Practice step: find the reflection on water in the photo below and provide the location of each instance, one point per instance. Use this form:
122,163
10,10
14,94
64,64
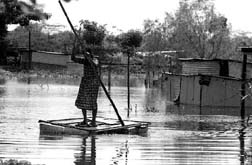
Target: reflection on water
2,88
88,152
243,154
177,135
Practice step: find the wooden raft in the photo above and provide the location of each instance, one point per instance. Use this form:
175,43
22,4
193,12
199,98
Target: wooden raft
104,126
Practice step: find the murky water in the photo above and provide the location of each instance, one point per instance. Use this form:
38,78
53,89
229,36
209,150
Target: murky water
177,135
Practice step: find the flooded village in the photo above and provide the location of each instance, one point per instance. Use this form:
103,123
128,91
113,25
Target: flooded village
176,92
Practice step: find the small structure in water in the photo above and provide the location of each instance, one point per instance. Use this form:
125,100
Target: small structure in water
104,126
206,82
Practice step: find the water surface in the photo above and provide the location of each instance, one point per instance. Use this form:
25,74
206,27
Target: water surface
177,135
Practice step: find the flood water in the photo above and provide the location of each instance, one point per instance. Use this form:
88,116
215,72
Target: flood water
177,135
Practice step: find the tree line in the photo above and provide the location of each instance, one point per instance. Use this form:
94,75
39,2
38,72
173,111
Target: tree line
195,28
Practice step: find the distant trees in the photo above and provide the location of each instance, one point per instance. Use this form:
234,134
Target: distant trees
99,41
155,36
16,12
238,39
42,39
195,28
198,29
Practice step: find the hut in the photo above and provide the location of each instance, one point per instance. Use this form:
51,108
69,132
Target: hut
206,83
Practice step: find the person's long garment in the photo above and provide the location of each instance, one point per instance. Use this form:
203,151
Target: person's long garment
89,87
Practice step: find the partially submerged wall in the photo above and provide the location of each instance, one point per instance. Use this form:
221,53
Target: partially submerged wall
203,90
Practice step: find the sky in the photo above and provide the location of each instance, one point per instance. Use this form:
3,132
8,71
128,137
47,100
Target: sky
130,14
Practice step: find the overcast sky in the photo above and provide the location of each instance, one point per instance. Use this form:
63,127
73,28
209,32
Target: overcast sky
130,14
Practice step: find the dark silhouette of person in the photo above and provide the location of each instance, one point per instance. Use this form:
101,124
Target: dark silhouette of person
89,87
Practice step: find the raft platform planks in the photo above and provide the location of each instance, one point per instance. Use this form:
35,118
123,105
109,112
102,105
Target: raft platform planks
104,126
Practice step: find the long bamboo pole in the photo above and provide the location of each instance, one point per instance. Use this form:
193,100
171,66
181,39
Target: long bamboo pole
91,62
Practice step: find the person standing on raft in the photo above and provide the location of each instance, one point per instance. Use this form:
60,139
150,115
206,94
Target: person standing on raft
92,36
88,90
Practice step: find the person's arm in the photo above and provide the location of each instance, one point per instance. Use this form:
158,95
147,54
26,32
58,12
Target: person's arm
79,60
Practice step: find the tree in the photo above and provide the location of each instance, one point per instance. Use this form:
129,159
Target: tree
198,29
130,40
238,40
154,38
19,36
62,41
16,12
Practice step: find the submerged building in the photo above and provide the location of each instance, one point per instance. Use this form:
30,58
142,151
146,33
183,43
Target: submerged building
207,83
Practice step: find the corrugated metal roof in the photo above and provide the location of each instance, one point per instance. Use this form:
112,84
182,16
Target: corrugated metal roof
217,59
200,59
201,67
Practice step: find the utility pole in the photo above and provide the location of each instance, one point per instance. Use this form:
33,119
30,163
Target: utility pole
245,51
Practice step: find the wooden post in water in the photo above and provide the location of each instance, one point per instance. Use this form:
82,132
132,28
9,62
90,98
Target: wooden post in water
29,47
128,83
245,51
243,85
109,78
